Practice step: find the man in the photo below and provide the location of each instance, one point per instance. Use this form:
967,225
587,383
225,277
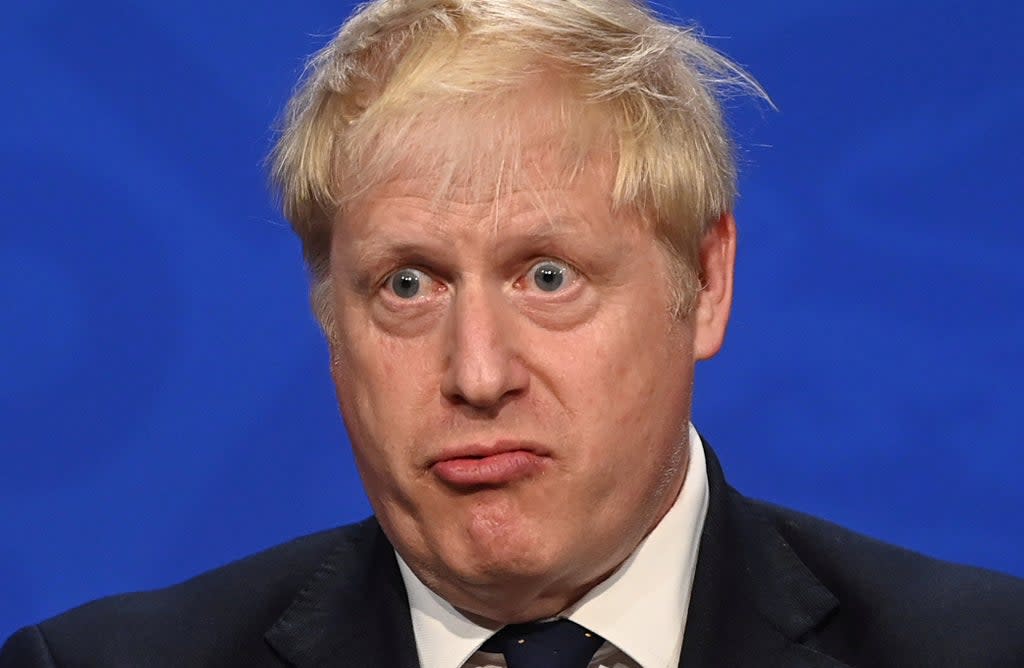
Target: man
517,216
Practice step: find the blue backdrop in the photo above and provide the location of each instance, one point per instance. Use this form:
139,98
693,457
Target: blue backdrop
164,395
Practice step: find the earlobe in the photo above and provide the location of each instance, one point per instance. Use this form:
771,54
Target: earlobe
714,303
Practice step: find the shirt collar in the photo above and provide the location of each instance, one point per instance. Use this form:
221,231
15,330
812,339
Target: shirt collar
641,608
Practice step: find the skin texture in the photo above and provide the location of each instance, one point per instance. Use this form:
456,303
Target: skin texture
593,379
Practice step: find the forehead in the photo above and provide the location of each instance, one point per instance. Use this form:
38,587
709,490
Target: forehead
405,218
536,176
538,193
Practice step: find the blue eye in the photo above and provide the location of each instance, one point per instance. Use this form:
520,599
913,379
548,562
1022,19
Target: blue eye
549,275
406,283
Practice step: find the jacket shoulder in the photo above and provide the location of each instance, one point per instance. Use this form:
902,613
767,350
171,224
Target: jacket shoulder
908,607
227,609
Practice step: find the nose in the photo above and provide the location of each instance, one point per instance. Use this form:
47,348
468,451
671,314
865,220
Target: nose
484,368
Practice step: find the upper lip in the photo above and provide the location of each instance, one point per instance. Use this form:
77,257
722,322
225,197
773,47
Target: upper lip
481,449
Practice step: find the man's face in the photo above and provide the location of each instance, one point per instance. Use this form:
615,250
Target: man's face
516,389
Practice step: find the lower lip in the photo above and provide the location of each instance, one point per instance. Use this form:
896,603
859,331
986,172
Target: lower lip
499,469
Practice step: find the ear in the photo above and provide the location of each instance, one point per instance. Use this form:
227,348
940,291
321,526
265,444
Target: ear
714,301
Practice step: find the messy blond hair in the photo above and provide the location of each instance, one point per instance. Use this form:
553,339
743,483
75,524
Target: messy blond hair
398,66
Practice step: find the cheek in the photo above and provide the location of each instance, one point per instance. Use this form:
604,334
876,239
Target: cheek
373,360
620,376
384,387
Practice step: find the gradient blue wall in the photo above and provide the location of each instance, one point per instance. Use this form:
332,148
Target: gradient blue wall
164,398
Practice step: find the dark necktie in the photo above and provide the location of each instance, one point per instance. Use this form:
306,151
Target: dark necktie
557,644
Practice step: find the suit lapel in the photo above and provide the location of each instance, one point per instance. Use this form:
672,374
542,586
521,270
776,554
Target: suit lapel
352,612
753,599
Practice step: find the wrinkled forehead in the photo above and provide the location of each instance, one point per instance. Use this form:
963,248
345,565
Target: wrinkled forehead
529,145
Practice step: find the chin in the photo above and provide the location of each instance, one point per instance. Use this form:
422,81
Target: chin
506,564
517,588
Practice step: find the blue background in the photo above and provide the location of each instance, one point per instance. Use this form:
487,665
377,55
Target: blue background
164,394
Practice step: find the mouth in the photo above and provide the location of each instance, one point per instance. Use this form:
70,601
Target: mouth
479,465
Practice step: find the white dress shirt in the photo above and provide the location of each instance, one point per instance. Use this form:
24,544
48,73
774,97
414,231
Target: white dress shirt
640,610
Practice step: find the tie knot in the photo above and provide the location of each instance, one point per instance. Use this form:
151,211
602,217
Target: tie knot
557,644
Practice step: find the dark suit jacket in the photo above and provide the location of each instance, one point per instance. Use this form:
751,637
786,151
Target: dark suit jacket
773,588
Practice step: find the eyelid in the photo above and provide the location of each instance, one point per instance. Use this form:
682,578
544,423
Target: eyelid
552,260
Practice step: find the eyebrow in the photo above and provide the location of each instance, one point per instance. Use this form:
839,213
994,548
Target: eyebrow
375,253
371,255
377,250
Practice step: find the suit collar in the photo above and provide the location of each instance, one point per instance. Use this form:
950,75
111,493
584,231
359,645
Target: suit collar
753,599
353,611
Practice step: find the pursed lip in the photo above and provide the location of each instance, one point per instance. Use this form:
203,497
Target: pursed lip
482,450
489,464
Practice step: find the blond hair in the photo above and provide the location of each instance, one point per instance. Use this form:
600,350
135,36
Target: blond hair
400,65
